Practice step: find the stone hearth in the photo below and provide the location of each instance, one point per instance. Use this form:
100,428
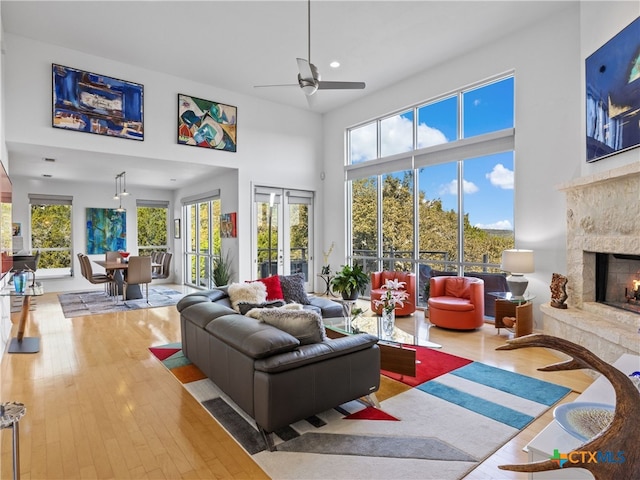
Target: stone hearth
603,215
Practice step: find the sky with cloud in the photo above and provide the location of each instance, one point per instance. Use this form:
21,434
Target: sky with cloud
488,181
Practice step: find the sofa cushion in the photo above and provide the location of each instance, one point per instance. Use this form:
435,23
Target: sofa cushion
274,290
246,306
457,287
293,289
305,325
251,337
253,292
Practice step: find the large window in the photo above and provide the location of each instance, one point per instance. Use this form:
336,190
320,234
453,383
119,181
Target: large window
51,233
202,238
152,226
432,187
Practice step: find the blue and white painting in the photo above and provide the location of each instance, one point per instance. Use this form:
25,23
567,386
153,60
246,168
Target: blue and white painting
88,102
613,94
106,230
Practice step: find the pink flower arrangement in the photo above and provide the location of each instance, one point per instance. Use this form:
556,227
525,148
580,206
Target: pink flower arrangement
394,295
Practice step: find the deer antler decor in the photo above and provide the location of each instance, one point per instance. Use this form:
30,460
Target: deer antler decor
621,436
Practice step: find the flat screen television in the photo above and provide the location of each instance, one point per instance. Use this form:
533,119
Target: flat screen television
6,224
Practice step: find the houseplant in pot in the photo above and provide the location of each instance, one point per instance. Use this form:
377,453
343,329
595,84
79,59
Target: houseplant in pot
350,282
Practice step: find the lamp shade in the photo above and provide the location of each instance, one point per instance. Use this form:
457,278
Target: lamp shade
517,261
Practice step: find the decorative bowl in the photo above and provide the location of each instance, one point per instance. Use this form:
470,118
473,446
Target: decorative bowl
125,255
584,420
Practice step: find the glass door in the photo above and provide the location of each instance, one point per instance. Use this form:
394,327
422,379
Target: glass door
283,232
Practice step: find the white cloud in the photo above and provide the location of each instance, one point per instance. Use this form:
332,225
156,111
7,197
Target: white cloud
363,143
397,136
476,102
451,188
501,177
499,225
428,136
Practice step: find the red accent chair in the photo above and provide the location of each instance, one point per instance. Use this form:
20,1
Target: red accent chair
378,279
456,302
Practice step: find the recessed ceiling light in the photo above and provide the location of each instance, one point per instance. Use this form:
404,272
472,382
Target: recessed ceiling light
334,64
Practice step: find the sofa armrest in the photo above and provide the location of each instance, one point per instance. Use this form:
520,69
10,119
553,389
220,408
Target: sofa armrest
212,295
316,352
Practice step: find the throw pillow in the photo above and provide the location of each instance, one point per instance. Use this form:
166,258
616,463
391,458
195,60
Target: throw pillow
293,288
244,307
254,292
305,325
457,287
274,290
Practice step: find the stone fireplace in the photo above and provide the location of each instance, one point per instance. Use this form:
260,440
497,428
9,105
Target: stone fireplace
603,220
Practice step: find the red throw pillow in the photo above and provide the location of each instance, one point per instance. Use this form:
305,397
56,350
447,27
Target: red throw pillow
274,290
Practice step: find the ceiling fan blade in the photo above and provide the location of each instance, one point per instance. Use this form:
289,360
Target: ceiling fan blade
305,69
278,85
322,85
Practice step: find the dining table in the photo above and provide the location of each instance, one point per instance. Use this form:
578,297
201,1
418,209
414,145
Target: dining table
117,268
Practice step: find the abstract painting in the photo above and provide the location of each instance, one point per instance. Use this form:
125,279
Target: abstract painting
106,230
613,95
228,225
207,124
88,102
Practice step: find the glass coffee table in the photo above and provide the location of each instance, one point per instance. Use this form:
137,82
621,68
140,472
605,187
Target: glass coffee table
396,354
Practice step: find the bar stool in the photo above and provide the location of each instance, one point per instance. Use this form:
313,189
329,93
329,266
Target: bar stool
10,415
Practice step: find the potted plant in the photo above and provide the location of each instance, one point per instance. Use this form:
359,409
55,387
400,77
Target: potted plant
221,271
350,282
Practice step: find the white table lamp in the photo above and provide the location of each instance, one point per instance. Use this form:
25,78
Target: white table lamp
517,262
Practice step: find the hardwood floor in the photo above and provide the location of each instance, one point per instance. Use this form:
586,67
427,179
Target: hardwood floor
100,406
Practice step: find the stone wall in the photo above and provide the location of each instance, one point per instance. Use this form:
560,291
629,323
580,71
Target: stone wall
603,215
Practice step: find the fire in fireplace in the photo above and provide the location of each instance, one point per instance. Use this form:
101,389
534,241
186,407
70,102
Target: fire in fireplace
618,281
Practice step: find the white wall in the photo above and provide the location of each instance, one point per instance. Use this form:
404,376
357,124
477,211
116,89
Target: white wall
546,59
277,145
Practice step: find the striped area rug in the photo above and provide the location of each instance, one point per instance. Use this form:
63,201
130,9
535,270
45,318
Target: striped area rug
438,429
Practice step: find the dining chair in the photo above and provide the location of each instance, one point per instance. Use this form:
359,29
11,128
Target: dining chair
96,278
165,266
138,272
112,256
157,258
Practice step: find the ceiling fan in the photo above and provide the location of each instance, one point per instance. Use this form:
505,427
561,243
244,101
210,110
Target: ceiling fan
309,76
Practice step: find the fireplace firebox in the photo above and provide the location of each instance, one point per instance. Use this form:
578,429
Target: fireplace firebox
618,281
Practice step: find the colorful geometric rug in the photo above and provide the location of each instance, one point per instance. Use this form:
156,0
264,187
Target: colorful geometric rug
96,302
441,429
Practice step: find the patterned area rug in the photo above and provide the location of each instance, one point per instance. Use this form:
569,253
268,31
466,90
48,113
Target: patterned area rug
96,302
440,429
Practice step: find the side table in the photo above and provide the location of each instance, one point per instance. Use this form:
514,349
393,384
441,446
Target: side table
10,415
22,344
327,277
519,307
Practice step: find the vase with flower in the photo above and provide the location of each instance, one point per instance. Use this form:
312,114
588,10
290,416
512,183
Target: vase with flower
395,295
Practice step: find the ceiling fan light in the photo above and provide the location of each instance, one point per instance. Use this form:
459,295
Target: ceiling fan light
308,87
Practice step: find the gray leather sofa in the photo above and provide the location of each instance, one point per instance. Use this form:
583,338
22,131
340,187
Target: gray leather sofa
266,371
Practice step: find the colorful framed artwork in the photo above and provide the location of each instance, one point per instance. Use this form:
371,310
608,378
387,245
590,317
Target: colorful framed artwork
106,230
93,103
228,225
207,124
612,76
